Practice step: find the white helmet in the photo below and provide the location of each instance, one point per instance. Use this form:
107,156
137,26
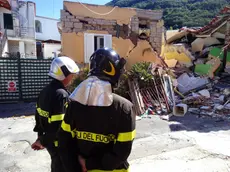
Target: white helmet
61,67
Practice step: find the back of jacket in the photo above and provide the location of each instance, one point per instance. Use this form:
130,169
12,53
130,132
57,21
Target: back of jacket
50,111
102,135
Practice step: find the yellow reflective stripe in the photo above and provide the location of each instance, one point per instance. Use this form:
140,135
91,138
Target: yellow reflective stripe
43,113
120,170
67,128
53,118
126,137
56,143
94,137
66,104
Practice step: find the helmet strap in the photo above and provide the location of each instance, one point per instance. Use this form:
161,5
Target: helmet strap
65,71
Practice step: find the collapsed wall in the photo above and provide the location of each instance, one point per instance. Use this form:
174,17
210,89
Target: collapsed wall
143,24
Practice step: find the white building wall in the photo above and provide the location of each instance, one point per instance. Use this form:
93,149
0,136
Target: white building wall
23,14
31,19
5,49
13,46
29,48
49,29
23,34
50,48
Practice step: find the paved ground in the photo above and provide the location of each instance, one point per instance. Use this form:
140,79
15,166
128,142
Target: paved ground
188,144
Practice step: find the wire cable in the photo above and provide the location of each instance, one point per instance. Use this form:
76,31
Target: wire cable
101,14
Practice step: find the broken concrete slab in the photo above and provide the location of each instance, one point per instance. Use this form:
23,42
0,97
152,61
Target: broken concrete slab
171,63
197,45
186,83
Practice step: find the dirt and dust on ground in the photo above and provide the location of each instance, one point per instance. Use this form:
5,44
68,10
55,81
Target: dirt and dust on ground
188,144
192,85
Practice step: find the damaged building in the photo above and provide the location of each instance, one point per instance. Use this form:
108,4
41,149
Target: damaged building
202,48
199,59
135,34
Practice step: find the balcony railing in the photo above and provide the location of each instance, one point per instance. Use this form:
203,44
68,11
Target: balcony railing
22,32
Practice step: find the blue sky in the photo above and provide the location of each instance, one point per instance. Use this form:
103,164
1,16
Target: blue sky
51,8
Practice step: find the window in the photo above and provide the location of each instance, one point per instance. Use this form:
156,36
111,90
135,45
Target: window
92,42
8,21
98,42
38,26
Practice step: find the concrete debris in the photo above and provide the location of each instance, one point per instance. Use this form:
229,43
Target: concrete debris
180,109
197,62
200,62
205,93
186,83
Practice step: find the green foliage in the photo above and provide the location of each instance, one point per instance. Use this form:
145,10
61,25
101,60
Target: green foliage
123,86
179,13
141,72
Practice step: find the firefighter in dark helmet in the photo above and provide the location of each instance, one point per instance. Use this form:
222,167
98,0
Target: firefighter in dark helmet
99,126
51,106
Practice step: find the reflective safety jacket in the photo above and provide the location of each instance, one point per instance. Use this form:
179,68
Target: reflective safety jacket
50,109
103,136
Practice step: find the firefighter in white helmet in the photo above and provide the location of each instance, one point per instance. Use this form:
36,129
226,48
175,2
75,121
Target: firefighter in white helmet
51,106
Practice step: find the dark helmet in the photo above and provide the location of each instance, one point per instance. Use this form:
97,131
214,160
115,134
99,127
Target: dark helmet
106,64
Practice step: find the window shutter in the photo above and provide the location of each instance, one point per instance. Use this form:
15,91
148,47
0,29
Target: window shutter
88,46
108,41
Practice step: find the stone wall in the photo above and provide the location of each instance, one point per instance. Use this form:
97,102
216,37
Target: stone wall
76,24
72,23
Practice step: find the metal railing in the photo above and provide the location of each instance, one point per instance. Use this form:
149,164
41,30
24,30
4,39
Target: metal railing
21,32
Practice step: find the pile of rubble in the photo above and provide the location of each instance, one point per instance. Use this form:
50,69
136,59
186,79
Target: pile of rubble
200,60
197,68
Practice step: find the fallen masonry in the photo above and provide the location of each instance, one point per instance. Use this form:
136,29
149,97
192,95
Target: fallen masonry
194,76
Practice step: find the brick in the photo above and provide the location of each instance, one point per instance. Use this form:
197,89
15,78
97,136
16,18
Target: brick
96,20
77,30
78,25
74,20
63,17
151,39
152,27
159,30
65,20
100,22
64,13
135,22
79,17
69,24
106,22
157,39
66,30
71,17
89,19
153,30
153,23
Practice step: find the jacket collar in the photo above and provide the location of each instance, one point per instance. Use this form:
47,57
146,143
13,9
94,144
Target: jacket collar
58,83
